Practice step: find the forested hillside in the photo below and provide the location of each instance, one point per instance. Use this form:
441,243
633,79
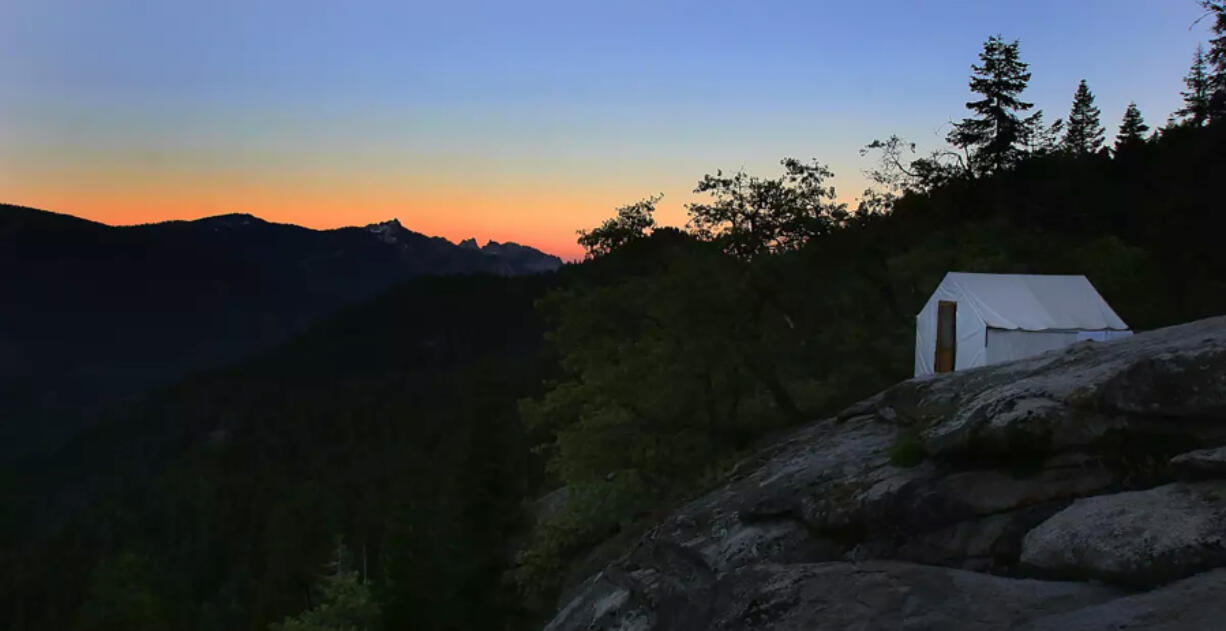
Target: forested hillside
399,447
214,504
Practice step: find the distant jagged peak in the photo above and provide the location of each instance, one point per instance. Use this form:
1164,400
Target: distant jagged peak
513,255
386,230
385,226
526,257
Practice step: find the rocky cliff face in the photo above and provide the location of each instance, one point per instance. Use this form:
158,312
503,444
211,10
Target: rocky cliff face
1080,489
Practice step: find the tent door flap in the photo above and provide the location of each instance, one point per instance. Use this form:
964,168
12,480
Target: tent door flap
947,312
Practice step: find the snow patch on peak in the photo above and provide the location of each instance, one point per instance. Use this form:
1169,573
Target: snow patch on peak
384,226
386,230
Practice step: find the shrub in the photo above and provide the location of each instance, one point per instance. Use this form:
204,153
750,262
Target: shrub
907,451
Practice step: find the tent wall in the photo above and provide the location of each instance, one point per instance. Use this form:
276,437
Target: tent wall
970,351
1002,317
1004,345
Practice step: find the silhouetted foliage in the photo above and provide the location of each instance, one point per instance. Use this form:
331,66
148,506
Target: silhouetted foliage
894,173
1217,59
1195,110
1043,139
633,221
748,215
994,138
1084,133
1132,130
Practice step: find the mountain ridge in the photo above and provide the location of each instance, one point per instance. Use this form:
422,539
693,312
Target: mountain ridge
8,219
97,311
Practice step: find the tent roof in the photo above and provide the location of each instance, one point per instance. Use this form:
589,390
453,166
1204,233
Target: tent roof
1035,302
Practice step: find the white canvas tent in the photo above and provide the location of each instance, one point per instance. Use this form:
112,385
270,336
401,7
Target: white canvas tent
981,319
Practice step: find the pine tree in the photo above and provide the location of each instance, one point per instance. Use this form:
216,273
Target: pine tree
1217,60
995,138
1041,138
1195,109
345,601
1084,133
1132,129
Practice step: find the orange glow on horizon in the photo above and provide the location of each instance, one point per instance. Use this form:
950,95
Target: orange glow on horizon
454,216
549,224
542,210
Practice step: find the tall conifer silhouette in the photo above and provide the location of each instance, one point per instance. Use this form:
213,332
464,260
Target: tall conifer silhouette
995,136
1132,129
1084,133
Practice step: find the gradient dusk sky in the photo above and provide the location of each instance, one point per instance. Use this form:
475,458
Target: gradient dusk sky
514,121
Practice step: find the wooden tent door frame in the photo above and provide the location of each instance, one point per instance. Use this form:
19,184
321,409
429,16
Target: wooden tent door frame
947,336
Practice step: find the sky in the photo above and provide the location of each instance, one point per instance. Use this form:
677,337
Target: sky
515,121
